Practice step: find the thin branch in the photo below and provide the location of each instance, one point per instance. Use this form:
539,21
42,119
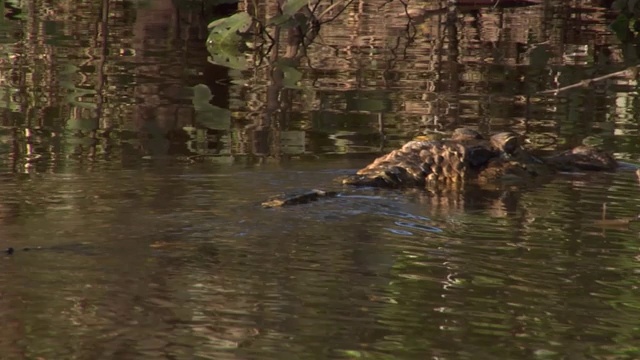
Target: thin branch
315,6
338,14
585,83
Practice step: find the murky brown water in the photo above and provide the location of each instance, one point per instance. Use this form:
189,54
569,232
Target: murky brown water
135,252
178,262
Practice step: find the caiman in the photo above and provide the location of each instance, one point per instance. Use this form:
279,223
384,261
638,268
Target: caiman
423,163
466,158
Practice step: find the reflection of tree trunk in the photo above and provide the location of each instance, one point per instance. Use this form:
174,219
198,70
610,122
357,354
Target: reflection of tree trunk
102,36
278,99
275,85
153,30
453,83
163,29
15,150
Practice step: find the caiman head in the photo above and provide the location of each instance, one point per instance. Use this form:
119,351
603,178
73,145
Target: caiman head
522,165
582,158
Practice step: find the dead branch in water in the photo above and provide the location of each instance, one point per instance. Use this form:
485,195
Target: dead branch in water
632,71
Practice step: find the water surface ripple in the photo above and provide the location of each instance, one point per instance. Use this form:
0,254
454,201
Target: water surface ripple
182,261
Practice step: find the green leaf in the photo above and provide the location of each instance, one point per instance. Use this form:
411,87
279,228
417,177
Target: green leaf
539,56
227,56
226,30
293,6
207,115
618,5
292,142
287,21
369,101
279,20
291,77
620,26
239,22
224,40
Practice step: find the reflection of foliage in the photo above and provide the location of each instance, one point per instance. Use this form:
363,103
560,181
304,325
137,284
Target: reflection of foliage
230,36
626,24
274,44
210,116
225,31
224,40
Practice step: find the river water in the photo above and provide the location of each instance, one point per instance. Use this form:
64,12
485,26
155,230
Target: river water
174,261
146,243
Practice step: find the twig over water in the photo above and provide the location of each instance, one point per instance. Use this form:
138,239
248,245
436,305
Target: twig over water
631,71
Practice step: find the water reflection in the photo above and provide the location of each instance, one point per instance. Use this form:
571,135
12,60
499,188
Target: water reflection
138,169
143,86
182,261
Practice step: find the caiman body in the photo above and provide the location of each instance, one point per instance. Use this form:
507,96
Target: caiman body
422,163
468,157
464,159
